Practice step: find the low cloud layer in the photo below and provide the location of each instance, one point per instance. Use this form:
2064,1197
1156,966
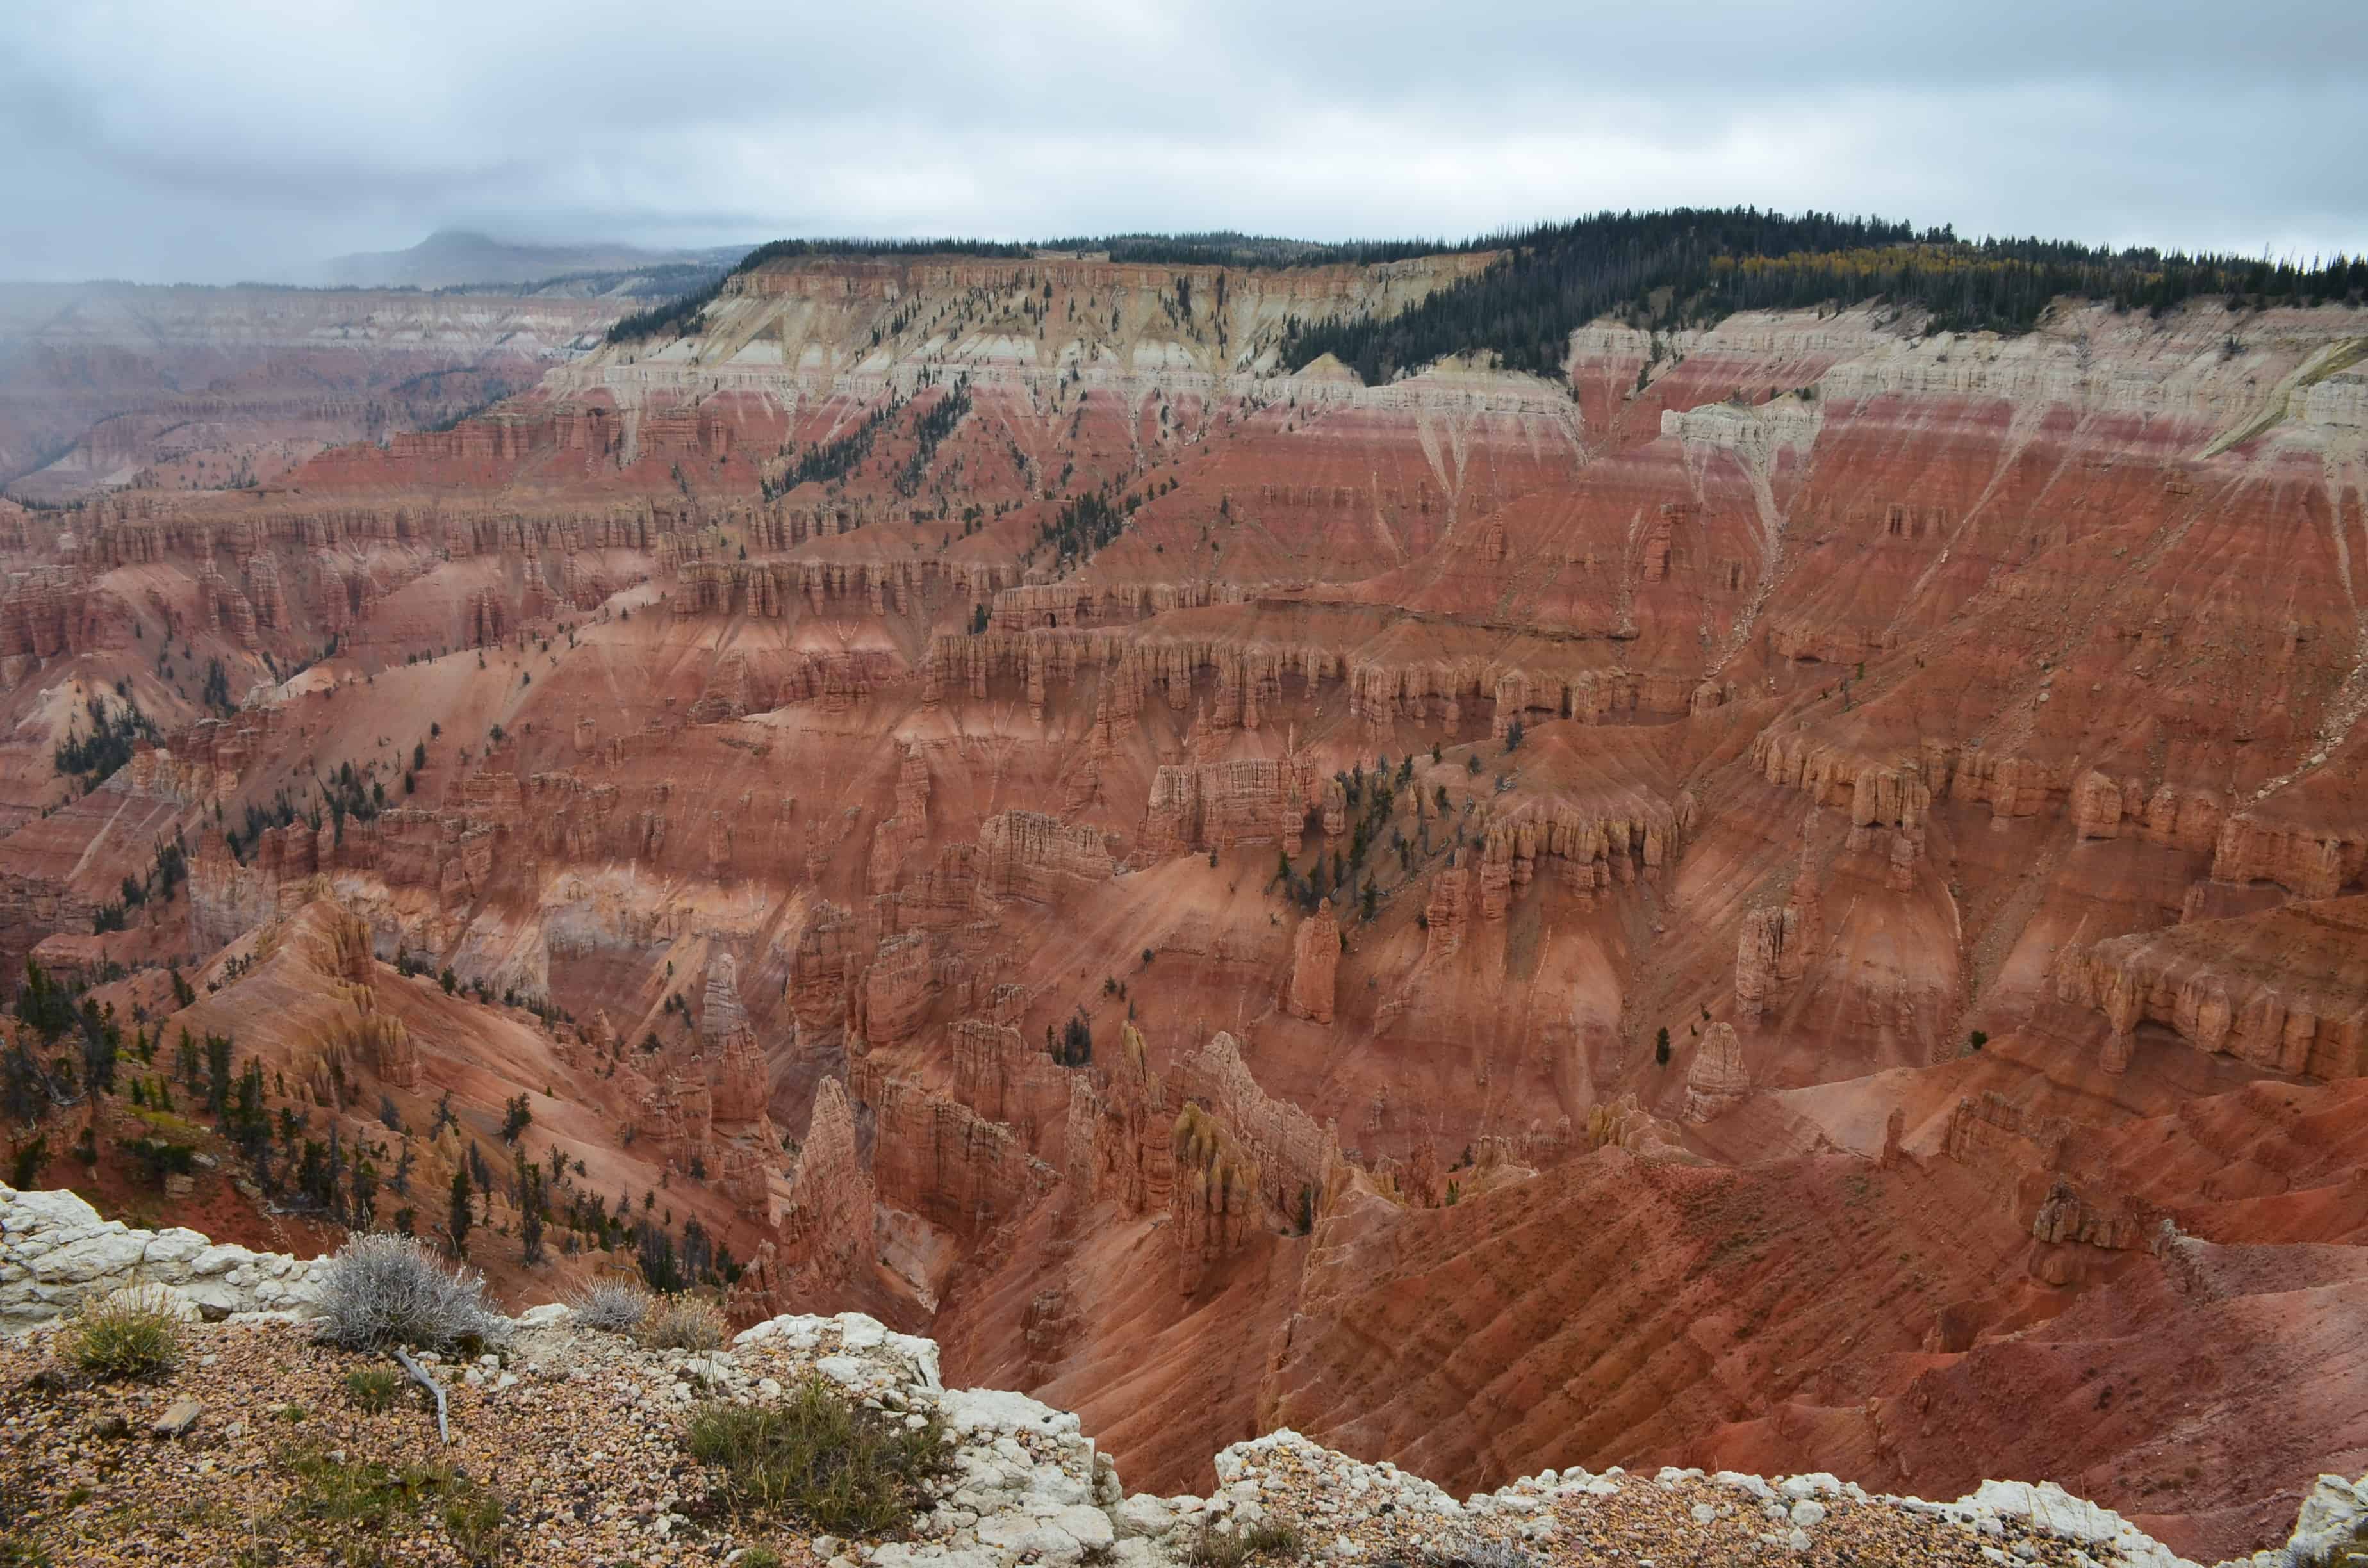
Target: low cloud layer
251,139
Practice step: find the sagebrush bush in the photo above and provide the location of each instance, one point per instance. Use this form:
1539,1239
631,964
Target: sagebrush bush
134,1332
611,1305
385,1289
682,1323
820,1454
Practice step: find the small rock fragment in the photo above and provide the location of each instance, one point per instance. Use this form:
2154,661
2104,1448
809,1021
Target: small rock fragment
179,1417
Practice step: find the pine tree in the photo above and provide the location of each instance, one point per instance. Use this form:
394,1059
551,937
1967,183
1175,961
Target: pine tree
217,1074
460,1219
530,1184
362,1186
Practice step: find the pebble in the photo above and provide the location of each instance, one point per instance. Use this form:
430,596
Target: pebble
179,1417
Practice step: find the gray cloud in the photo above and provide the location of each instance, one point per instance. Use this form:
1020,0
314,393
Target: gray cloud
250,138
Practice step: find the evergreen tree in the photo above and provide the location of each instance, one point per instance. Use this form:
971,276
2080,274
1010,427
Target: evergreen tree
531,1207
459,1218
361,1189
43,1004
1691,268
217,1074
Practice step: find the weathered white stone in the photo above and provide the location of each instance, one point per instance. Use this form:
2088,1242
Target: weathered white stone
2049,1507
845,1370
1090,1527
56,1253
1143,1516
2331,1512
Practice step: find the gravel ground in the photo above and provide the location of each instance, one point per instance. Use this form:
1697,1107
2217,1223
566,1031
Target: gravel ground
578,1437
1677,1519
586,1457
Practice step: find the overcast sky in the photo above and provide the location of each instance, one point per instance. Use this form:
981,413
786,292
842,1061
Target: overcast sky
159,139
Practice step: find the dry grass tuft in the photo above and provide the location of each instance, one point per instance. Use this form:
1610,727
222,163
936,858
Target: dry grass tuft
610,1306
682,1323
131,1332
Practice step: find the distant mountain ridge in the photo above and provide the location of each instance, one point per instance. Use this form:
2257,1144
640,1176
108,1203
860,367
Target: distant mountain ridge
451,256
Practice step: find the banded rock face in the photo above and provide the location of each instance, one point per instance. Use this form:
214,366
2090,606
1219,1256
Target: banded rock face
1855,689
2283,990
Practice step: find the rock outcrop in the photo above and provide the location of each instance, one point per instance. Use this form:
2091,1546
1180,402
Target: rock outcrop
1719,1078
2281,990
56,1254
1314,966
827,1225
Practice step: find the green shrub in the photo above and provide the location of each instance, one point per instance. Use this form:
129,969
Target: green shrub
372,1389
843,1468
348,1506
476,1519
330,1489
159,1157
131,1332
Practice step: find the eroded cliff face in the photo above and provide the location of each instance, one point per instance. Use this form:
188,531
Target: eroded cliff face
109,384
1495,921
